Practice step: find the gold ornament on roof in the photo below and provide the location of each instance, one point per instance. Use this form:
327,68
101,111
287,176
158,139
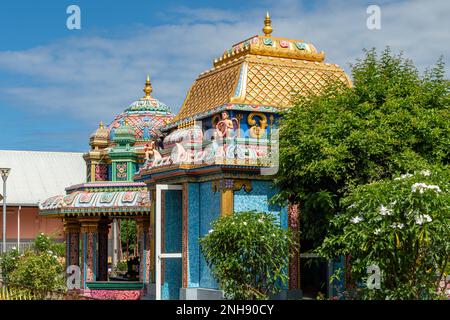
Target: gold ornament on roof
267,25
101,126
148,88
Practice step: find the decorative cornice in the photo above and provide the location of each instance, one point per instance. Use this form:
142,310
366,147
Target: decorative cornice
231,184
89,225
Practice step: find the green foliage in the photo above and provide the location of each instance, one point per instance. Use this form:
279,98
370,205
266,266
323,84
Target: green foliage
38,270
121,266
128,231
401,225
391,121
248,253
44,243
8,262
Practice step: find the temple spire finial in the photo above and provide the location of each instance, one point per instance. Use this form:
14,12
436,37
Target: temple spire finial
267,25
101,126
148,88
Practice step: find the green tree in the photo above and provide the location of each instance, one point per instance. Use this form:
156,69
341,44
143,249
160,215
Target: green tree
391,121
38,270
401,225
128,240
248,253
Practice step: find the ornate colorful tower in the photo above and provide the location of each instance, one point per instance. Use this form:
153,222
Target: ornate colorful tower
117,151
220,152
89,209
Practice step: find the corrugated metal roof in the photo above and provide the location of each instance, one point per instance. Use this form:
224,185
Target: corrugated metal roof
37,175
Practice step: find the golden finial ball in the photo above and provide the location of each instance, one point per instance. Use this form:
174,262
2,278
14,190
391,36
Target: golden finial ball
267,25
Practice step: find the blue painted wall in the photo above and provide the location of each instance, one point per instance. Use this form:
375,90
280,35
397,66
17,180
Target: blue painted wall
209,212
204,208
172,244
193,235
258,200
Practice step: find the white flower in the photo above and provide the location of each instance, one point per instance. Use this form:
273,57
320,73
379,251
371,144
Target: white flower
211,231
404,176
14,248
356,219
423,186
423,218
260,221
397,225
377,231
385,211
273,234
435,188
425,173
245,223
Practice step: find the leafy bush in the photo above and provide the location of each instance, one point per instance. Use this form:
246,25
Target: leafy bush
44,243
39,271
401,225
8,262
248,253
121,266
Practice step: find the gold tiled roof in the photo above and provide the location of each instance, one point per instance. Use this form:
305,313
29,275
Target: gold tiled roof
262,70
276,82
209,91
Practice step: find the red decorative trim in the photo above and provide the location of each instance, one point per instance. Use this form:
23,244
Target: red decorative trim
185,235
114,294
294,261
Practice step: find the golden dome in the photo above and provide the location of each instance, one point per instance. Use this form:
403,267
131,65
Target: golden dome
100,136
260,71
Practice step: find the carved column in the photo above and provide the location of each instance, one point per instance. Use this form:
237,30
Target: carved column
103,229
143,228
294,260
72,235
89,239
227,188
227,202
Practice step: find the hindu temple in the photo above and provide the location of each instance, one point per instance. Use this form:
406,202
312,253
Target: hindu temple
176,174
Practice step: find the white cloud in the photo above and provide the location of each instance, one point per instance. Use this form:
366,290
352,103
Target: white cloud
95,77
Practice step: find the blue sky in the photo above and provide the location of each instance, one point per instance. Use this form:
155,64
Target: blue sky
57,84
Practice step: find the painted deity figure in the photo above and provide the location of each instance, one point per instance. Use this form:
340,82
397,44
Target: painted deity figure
149,150
226,126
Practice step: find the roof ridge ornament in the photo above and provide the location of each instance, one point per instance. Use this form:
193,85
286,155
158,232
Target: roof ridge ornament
148,88
267,25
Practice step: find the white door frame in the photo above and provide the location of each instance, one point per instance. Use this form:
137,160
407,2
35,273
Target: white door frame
158,227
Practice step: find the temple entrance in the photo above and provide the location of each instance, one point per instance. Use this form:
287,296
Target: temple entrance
168,249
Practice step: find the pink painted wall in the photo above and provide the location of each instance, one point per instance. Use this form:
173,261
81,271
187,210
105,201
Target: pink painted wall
31,224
